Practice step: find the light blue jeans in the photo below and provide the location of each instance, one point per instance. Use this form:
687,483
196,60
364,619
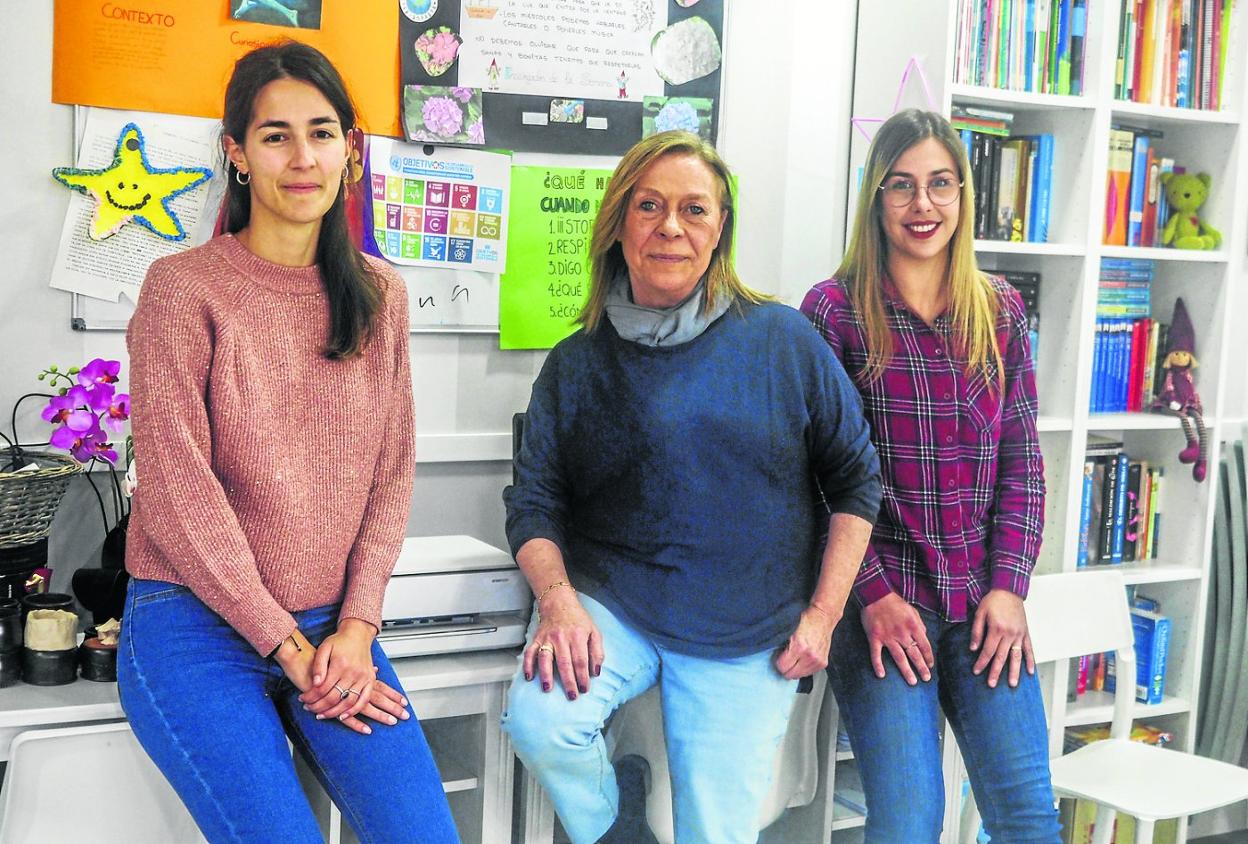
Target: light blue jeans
214,716
895,732
723,721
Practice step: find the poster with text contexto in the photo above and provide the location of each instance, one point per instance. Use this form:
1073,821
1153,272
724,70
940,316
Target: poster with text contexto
176,56
547,278
445,209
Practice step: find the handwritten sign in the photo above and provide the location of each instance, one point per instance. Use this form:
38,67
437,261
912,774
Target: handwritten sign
547,278
597,49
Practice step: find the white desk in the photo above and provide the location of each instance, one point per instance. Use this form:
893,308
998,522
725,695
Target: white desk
458,698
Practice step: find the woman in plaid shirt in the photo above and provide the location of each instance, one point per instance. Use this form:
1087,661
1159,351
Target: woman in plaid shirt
940,354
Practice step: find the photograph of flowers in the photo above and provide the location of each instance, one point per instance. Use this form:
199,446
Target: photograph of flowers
443,115
661,114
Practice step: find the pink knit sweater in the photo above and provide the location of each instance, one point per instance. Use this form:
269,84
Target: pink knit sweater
270,478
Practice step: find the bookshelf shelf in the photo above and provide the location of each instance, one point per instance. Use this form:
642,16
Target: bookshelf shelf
1213,284
844,817
1012,247
1018,100
1126,109
1098,708
1152,253
1132,422
1152,571
1054,424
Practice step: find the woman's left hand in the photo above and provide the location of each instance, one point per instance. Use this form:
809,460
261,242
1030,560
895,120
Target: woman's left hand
342,671
1000,626
807,650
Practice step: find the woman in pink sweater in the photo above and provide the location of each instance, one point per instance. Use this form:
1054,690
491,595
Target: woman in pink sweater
273,429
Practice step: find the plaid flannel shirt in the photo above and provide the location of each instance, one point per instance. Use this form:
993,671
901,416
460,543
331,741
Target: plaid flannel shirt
963,505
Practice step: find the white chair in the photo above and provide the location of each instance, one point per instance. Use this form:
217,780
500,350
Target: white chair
92,783
637,728
1079,613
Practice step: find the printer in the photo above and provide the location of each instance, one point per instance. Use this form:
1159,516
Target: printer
450,594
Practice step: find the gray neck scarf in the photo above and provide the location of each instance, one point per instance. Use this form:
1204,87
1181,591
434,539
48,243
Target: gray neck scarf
662,327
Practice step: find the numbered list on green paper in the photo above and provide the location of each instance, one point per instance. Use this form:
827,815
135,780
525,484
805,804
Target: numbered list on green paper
547,280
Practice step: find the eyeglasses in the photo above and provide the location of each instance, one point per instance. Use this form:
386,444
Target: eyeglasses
940,191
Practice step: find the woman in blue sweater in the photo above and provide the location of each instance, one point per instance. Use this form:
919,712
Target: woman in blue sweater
667,509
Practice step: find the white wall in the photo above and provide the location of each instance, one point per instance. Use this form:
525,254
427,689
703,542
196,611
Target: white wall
785,129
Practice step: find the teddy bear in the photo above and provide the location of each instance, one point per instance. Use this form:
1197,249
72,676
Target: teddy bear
1178,391
1185,229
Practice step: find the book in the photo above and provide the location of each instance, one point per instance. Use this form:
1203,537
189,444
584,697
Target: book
1159,473
1152,191
1038,212
1139,184
1085,513
1006,192
1078,44
1118,186
1131,535
1152,644
1120,508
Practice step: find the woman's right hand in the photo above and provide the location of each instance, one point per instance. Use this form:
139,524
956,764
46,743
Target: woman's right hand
385,705
892,623
566,636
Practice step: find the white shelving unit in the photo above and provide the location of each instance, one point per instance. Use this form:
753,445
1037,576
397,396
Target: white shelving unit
1212,142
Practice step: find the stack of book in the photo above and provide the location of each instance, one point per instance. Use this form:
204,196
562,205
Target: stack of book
1135,199
1028,286
1120,506
1129,345
1173,52
1022,45
1012,176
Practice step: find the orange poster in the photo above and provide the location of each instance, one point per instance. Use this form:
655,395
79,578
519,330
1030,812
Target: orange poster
175,56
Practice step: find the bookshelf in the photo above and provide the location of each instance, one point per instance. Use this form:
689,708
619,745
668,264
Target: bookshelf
1069,265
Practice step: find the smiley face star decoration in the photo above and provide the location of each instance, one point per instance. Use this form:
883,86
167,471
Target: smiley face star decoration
132,189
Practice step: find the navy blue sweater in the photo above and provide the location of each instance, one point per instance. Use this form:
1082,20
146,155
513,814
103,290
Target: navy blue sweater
680,482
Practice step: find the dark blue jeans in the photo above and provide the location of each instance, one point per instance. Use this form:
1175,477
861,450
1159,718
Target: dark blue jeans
895,732
215,718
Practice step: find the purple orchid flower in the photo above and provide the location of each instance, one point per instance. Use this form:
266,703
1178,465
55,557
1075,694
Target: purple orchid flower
99,371
60,407
84,445
118,412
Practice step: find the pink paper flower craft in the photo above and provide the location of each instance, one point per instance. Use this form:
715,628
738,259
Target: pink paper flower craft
437,50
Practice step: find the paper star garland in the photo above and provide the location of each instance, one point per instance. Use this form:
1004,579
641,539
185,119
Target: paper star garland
911,66
131,189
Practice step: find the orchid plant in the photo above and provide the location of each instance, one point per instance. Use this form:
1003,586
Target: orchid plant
85,404
84,407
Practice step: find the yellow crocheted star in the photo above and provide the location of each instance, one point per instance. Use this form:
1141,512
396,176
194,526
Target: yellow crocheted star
131,189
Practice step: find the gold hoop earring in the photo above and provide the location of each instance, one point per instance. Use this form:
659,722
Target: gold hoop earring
238,177
346,172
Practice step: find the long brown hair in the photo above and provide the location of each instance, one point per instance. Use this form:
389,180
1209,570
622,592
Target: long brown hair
353,290
973,303
605,253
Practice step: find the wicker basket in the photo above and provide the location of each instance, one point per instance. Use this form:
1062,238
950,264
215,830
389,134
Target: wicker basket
28,500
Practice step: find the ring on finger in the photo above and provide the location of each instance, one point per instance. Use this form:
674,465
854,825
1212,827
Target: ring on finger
911,644
1016,647
350,692
546,647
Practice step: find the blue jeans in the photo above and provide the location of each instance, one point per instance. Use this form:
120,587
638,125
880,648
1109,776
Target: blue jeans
723,722
215,718
895,732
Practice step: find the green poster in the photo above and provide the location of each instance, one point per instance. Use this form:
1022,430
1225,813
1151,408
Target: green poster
547,280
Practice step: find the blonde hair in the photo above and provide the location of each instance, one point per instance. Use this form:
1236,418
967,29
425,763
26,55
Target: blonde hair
607,257
973,303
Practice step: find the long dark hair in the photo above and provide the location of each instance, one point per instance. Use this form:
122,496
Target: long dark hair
354,291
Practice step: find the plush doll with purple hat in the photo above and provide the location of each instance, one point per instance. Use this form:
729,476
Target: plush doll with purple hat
1178,391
